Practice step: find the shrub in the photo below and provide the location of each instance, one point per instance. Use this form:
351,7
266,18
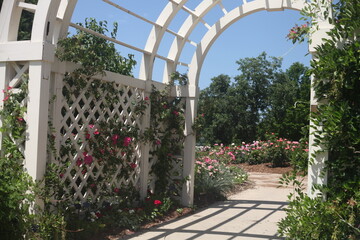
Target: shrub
215,178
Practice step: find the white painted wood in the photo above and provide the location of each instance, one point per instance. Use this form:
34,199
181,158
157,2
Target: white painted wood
222,24
41,20
156,35
9,19
66,10
185,30
187,196
37,120
144,164
28,6
26,51
3,85
316,171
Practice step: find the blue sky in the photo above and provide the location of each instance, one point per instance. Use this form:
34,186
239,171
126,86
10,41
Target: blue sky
248,37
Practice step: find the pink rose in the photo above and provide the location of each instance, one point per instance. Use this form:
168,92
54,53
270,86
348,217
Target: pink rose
114,138
88,159
126,141
78,162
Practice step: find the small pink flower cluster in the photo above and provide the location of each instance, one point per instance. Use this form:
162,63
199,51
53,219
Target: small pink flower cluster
206,164
298,32
6,93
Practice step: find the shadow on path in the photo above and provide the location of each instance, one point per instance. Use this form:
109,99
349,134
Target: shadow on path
231,219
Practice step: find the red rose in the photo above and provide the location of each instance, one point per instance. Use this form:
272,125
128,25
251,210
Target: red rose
157,202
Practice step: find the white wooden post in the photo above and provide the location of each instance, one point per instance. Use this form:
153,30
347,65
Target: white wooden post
316,171
37,119
187,196
145,147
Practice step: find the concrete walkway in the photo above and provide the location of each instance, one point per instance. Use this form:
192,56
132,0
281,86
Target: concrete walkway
249,215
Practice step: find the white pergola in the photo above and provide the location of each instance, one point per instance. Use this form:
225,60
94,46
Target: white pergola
52,19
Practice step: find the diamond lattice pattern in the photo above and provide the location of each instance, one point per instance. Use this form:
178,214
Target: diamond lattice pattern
81,110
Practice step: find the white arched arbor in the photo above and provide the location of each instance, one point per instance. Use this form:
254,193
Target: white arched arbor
51,22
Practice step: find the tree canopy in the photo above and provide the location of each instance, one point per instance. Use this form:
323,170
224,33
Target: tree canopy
262,98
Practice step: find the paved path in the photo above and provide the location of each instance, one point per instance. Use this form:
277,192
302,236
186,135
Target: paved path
249,215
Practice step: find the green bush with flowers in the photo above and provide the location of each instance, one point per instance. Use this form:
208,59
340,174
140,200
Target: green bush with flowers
335,212
215,177
276,151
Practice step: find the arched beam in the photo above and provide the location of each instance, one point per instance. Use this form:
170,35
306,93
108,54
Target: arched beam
156,35
226,21
185,30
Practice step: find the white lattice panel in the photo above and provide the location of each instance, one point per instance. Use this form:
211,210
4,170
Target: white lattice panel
81,112
17,87
175,181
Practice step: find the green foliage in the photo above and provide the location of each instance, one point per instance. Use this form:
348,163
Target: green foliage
95,54
261,99
336,126
15,183
278,152
166,134
214,175
17,189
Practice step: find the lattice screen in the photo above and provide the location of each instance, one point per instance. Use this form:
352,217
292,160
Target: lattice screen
81,111
18,72
176,181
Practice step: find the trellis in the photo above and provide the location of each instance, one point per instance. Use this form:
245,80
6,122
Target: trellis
35,60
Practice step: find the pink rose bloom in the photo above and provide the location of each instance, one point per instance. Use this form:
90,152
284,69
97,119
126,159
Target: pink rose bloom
78,162
158,142
88,159
114,138
91,126
116,190
126,141
133,165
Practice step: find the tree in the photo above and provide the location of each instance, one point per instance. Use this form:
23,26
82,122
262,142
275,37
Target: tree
95,54
288,110
262,98
214,105
253,85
